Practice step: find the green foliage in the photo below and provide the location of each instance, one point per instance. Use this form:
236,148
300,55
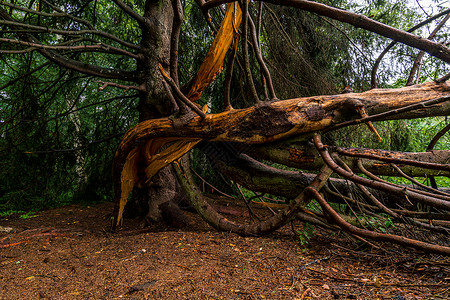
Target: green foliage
50,117
28,215
308,231
10,212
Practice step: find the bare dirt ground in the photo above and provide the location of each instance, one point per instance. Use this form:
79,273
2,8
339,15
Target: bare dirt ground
68,253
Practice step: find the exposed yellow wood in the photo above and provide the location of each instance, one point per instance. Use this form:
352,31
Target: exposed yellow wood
213,62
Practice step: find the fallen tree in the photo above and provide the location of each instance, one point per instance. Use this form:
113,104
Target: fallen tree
281,132
281,120
246,145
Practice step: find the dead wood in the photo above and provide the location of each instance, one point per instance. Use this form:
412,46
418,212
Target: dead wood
265,123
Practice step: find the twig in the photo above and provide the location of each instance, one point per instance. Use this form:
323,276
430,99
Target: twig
247,203
140,88
302,267
363,113
211,186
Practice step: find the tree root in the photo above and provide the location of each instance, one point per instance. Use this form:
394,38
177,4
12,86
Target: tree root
212,217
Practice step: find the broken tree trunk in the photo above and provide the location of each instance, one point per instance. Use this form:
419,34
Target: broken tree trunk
266,123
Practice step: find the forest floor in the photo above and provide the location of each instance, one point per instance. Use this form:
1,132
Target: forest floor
69,253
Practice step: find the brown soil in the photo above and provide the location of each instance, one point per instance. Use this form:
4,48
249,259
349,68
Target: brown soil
68,253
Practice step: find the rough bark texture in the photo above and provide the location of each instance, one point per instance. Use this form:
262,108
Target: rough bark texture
262,178
303,155
156,36
157,199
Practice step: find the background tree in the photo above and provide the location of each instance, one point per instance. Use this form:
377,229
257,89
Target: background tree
80,73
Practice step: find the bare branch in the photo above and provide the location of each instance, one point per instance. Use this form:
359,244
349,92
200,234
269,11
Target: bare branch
443,78
373,80
178,106
35,46
405,188
71,63
140,19
174,39
437,137
69,32
259,57
426,187
206,15
374,235
420,164
360,21
440,203
418,60
58,14
229,74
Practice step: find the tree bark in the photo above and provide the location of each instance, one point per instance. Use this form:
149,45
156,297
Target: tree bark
303,155
155,200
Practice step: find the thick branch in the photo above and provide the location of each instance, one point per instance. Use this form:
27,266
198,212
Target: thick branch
272,121
303,155
219,222
174,39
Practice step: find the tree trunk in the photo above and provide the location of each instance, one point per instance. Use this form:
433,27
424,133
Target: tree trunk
158,199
